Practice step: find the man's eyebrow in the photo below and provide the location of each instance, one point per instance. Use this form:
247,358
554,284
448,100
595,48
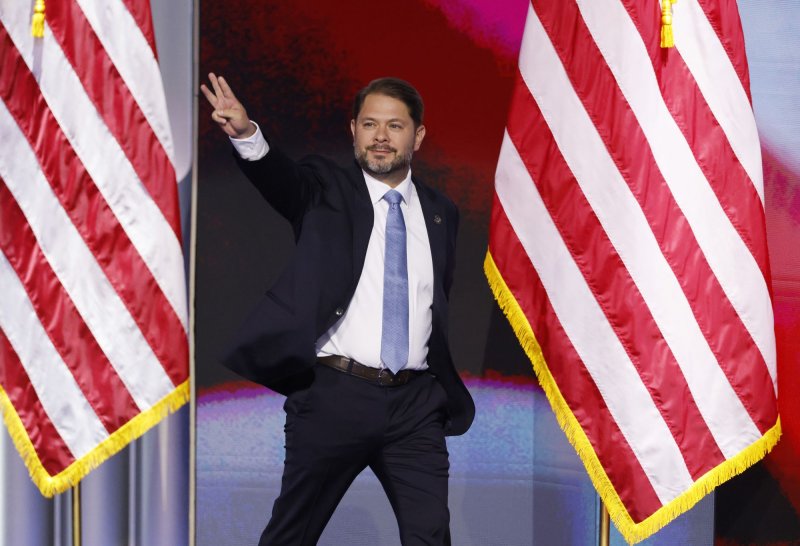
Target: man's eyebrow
390,120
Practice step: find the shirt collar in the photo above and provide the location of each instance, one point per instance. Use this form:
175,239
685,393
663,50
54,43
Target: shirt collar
378,189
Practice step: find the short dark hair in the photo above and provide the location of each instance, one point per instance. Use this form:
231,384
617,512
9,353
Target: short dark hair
397,89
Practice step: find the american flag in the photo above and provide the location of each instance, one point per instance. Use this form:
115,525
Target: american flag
93,316
628,247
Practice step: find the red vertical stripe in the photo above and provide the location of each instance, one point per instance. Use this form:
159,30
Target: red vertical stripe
116,105
50,448
596,86
140,11
91,215
574,382
94,374
613,288
724,18
709,144
646,15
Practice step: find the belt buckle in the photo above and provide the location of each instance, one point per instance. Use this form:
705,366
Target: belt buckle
385,377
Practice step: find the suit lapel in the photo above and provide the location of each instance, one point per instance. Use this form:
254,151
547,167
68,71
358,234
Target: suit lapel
437,231
363,217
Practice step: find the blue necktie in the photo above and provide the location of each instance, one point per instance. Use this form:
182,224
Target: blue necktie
394,332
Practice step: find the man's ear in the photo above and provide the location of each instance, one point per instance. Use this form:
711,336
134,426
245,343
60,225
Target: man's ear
419,134
353,129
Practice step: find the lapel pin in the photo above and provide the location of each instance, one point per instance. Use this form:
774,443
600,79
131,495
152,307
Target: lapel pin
437,219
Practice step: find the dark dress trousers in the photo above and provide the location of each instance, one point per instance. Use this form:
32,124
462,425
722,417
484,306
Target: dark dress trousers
338,424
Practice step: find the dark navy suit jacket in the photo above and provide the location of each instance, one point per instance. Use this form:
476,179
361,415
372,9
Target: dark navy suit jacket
331,214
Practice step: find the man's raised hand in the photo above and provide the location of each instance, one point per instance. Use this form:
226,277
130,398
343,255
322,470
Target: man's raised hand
228,112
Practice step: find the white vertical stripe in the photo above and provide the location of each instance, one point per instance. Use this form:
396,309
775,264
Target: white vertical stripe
720,85
589,331
51,379
730,260
630,234
131,54
105,161
76,268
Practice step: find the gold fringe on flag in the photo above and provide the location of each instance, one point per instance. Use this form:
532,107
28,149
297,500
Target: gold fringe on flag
37,24
631,530
51,485
666,23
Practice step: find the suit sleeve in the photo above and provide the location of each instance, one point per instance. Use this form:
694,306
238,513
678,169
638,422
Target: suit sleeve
290,187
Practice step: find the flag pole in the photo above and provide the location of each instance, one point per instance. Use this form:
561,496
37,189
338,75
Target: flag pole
76,514
605,526
193,278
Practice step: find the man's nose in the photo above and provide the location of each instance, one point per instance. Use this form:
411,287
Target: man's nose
381,135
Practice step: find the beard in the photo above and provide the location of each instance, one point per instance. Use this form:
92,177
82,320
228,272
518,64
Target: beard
377,167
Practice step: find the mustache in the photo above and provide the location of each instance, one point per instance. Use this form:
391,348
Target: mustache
379,148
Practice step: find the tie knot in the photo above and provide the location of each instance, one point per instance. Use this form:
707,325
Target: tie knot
393,197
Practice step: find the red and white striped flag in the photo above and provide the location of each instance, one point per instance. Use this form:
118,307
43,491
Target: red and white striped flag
93,316
628,247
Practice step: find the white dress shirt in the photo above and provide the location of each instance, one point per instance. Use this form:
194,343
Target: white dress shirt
357,334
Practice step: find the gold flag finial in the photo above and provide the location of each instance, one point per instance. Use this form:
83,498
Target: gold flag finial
666,23
37,24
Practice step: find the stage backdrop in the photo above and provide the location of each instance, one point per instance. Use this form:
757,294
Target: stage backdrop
514,477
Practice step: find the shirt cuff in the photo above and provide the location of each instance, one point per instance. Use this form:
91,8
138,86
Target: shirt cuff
253,147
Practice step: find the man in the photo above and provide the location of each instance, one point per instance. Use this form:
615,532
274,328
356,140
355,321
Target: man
354,332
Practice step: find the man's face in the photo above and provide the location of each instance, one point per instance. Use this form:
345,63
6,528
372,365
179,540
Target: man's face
384,138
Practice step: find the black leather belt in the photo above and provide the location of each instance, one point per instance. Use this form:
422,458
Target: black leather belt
379,376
